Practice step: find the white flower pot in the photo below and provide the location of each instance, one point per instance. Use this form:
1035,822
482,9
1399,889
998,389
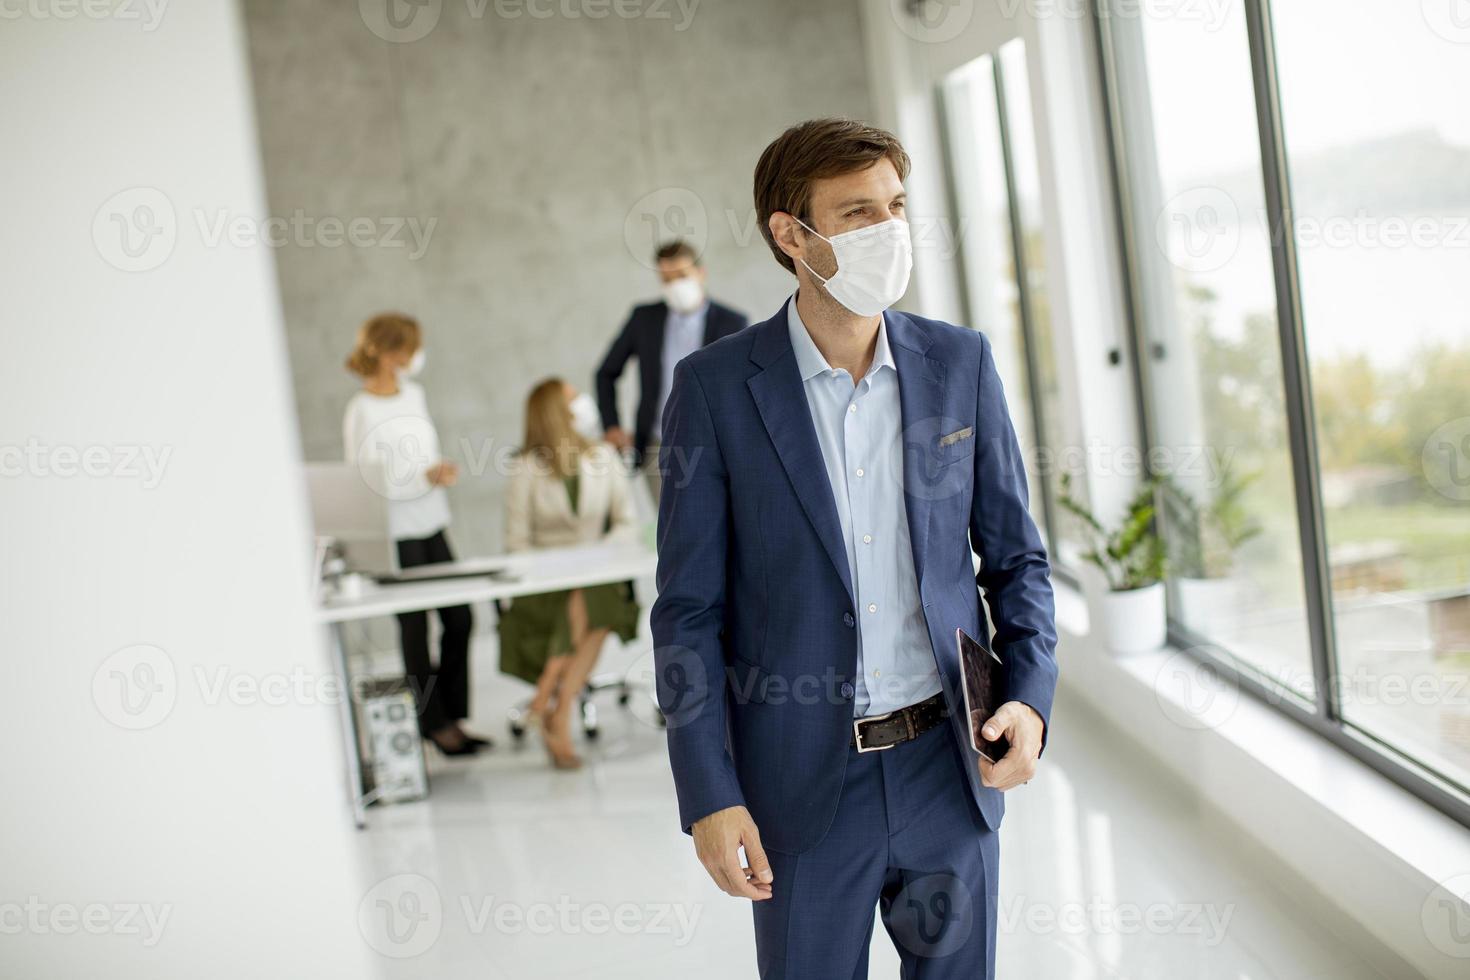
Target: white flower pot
1134,621
1206,605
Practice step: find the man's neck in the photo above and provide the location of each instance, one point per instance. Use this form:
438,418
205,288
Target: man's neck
845,339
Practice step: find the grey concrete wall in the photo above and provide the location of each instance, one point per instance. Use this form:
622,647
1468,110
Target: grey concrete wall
548,152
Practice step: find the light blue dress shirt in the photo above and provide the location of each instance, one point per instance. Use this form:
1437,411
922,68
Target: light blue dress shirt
683,335
859,428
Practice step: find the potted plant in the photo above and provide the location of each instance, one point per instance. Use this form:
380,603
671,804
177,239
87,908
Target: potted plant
1132,559
1204,537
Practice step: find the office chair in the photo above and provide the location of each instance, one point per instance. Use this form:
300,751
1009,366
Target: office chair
516,717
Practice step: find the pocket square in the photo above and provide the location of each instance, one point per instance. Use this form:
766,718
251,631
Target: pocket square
956,436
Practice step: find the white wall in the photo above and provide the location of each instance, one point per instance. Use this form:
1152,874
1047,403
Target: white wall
543,148
131,789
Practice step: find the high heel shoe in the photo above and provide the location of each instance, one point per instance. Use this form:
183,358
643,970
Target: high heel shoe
465,747
559,749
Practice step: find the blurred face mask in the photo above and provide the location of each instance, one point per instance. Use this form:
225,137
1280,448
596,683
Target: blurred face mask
684,295
585,417
873,265
414,366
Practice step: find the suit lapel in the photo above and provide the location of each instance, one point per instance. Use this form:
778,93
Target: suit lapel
657,327
711,324
921,401
781,400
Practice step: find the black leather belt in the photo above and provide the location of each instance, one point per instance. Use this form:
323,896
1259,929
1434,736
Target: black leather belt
876,732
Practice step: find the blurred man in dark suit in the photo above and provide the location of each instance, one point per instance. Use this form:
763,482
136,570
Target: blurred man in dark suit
660,335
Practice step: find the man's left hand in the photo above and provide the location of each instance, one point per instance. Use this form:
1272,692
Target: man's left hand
1023,727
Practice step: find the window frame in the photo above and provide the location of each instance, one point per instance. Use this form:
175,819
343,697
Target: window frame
1025,313
1324,717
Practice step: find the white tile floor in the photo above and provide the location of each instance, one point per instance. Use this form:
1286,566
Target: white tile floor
512,870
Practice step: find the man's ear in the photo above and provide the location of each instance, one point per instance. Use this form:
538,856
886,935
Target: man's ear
783,229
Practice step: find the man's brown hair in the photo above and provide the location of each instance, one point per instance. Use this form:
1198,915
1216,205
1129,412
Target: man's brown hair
676,248
811,151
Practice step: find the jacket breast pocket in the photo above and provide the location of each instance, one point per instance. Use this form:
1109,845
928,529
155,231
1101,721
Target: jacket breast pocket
951,447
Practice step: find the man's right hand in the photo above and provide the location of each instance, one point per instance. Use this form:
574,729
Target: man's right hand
717,840
619,437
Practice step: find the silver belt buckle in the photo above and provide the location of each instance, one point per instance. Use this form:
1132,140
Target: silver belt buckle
857,732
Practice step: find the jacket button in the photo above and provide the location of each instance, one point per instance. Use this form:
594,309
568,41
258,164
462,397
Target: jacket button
847,619
847,691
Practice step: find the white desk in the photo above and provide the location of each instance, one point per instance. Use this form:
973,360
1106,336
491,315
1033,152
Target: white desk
527,573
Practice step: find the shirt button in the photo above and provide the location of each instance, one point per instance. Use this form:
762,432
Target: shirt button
872,607
867,539
847,619
852,408
847,691
877,673
859,471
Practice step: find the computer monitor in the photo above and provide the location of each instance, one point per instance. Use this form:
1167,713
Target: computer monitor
346,509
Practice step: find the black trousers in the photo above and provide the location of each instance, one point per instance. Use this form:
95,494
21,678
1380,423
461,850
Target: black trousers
443,693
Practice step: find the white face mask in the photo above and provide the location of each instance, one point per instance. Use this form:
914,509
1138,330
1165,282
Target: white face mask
873,265
684,295
414,366
585,417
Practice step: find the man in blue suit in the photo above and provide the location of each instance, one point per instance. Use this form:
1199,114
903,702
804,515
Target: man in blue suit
836,466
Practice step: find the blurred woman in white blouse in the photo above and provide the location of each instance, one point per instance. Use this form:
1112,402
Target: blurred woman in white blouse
387,432
567,487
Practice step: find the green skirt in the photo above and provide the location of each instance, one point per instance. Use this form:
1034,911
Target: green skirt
535,628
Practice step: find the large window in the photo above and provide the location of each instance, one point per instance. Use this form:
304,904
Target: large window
1212,362
1377,139
1295,190
996,183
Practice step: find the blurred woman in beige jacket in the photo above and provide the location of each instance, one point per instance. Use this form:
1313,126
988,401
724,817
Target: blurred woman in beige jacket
565,489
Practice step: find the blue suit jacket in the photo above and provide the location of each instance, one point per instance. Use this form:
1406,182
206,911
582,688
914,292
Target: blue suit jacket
754,628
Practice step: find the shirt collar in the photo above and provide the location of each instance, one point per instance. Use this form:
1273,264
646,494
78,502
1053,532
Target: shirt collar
809,359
